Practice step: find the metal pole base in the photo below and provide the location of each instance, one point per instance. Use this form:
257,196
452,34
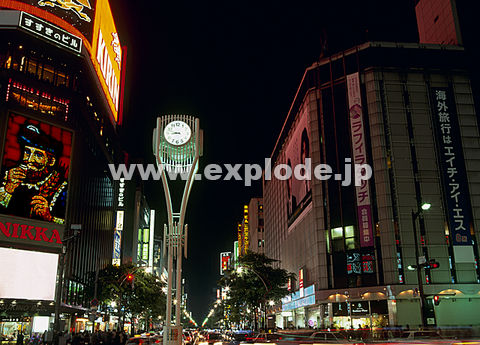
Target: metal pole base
172,335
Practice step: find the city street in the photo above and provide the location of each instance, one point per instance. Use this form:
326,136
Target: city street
227,173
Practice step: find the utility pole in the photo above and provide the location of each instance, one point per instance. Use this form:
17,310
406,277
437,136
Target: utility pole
61,267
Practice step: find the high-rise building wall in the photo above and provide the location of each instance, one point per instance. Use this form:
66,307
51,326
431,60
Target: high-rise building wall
255,216
354,244
438,22
59,115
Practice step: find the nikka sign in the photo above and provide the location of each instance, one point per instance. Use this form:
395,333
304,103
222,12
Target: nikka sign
30,233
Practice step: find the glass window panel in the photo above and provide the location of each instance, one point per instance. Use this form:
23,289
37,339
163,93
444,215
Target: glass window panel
32,66
337,233
349,231
48,73
350,243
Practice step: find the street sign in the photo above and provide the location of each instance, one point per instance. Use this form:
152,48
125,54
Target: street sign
422,260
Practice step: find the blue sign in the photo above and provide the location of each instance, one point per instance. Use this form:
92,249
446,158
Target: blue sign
294,300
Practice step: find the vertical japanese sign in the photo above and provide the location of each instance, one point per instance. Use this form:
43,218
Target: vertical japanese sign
364,211
246,239
117,235
240,239
452,166
300,282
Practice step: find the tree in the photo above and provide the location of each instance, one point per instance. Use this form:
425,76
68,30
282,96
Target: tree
252,285
139,293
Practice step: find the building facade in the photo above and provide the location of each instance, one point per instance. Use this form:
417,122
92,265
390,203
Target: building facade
405,110
255,219
60,108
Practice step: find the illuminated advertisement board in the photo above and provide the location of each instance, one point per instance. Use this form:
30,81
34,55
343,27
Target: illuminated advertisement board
240,239
50,32
31,275
225,262
68,14
297,151
364,210
452,167
120,219
246,228
106,55
34,170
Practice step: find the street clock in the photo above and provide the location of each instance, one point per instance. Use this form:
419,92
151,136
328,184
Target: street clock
177,133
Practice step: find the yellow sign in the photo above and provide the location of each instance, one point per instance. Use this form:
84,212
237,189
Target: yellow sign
107,54
246,239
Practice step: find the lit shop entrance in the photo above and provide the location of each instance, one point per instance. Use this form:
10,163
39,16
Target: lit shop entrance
360,314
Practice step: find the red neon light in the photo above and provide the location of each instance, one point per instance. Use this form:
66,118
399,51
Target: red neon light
15,5
33,91
122,84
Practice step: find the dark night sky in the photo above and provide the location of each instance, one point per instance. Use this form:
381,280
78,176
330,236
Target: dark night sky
236,66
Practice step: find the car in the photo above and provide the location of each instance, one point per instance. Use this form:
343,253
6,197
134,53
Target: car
144,340
188,338
327,337
417,336
262,338
212,338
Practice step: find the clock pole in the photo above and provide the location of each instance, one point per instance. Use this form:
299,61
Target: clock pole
177,146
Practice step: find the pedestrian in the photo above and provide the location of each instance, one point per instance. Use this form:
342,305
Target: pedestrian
20,338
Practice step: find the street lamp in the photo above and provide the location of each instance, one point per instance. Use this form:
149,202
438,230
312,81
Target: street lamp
424,207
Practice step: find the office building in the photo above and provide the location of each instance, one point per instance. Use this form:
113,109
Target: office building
407,111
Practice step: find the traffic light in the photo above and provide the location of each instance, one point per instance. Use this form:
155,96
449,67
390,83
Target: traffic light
432,264
130,278
436,299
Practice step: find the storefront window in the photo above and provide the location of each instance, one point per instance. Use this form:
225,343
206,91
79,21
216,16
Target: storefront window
48,74
61,79
32,66
32,101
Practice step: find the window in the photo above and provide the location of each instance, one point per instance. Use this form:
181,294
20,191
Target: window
48,74
337,233
32,66
349,237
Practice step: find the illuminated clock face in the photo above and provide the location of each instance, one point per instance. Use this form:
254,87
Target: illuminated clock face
177,133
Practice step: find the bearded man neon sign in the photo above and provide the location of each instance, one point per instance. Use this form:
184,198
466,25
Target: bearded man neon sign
35,170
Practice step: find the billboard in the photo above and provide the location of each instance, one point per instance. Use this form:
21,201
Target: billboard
50,32
246,230
68,14
106,55
31,275
297,151
364,211
34,170
225,262
452,167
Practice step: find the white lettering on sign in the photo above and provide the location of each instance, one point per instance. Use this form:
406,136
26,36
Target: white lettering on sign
121,193
106,66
